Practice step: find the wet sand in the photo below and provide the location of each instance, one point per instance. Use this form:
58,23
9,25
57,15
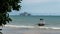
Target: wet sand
29,31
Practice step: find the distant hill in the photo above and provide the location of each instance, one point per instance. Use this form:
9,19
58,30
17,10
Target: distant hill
25,14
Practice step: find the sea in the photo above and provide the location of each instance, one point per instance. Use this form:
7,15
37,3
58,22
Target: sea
51,22
28,25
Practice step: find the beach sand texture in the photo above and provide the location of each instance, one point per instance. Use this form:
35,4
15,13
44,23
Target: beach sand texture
29,31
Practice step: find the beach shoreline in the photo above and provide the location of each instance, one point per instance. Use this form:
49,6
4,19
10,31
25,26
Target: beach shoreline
9,30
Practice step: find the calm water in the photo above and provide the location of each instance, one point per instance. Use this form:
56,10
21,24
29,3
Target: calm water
26,24
33,20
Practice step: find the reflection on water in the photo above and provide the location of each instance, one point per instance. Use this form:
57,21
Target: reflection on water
1,33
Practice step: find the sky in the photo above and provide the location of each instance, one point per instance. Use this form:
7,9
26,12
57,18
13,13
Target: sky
39,7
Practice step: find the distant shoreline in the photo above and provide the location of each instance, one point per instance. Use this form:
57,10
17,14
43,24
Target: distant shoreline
37,15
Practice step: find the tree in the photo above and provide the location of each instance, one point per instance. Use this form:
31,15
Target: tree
5,7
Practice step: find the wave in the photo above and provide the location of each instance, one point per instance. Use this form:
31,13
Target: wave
22,26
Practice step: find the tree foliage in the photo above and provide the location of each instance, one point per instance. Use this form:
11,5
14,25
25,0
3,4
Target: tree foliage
5,7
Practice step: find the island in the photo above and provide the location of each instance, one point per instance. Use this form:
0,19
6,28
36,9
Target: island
25,14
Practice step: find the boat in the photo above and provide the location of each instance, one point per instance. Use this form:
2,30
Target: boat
42,22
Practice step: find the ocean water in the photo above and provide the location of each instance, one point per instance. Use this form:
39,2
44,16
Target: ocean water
51,22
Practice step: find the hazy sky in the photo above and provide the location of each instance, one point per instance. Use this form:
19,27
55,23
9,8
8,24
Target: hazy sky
40,7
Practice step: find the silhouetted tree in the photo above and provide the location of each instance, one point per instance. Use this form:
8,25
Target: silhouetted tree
5,7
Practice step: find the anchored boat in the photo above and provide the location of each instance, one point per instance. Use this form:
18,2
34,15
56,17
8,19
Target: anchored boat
42,22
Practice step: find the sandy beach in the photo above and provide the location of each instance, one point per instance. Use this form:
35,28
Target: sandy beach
29,31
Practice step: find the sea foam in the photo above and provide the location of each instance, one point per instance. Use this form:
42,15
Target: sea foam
23,26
